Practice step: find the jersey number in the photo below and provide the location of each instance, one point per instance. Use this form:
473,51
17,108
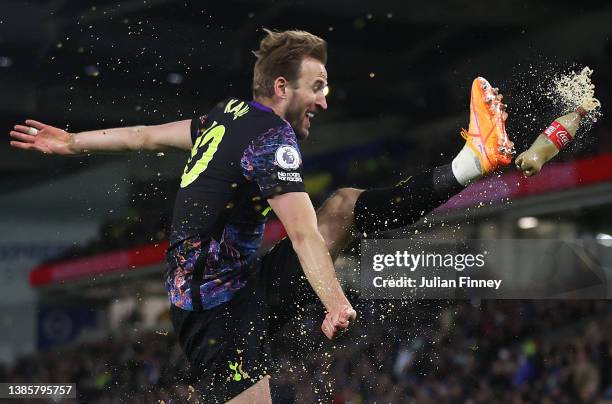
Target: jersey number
211,137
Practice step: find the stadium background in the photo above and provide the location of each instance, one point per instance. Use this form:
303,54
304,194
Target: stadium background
82,238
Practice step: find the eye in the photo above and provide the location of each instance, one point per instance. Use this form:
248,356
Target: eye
318,86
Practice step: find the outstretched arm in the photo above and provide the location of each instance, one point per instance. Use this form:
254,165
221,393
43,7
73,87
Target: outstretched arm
295,211
48,139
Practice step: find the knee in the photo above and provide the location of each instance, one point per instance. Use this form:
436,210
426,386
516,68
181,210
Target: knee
343,201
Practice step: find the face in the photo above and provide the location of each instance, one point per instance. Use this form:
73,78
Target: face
306,97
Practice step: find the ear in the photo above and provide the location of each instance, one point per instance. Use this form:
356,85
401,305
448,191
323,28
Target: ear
280,87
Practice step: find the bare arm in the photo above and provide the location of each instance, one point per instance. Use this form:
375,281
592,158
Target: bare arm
295,211
51,140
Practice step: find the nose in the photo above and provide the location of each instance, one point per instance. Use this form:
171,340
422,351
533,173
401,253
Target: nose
321,102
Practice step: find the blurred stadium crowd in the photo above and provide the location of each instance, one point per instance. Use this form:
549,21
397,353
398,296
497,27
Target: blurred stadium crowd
400,351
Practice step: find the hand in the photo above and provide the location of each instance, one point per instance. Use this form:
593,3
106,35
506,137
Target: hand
42,138
337,320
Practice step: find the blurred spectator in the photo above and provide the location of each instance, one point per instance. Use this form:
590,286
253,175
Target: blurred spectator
500,351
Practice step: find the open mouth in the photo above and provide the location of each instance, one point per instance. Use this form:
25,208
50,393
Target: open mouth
309,115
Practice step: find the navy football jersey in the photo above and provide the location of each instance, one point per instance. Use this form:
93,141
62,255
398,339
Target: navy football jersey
243,154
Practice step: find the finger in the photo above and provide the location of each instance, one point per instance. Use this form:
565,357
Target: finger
337,318
326,324
499,97
35,124
332,316
30,130
26,129
496,90
342,326
504,115
22,128
327,329
344,317
324,328
21,145
341,319
349,313
327,334
22,137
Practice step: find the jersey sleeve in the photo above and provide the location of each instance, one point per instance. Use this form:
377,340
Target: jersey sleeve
273,160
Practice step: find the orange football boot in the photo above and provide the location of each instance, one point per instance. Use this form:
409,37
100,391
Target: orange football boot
487,135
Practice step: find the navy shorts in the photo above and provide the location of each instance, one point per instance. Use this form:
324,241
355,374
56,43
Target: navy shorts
227,346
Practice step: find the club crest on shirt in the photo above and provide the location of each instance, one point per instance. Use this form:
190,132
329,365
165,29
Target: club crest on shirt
287,157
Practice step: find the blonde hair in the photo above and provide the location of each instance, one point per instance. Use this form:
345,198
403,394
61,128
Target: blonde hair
281,54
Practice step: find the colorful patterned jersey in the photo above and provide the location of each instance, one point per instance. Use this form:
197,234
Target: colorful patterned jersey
242,155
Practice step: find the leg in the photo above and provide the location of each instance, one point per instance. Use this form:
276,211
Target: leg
350,211
288,290
335,220
406,202
226,347
347,213
487,148
256,394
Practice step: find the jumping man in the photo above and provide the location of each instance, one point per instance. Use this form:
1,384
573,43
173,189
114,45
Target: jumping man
245,160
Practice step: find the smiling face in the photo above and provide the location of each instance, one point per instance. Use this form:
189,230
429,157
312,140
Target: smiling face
306,96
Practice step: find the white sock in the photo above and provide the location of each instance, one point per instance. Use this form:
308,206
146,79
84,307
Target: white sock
466,167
